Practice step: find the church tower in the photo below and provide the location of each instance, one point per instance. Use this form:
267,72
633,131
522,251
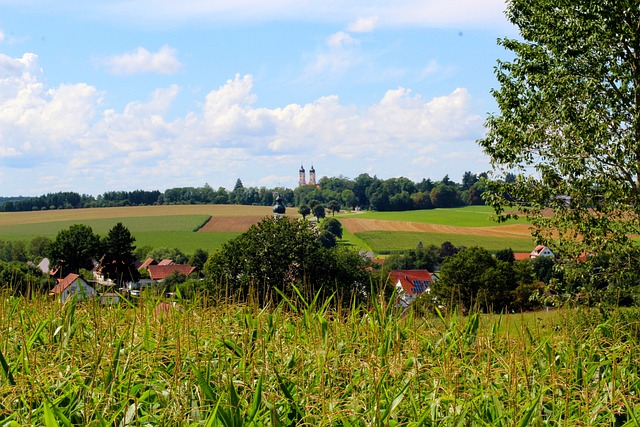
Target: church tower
302,181
312,176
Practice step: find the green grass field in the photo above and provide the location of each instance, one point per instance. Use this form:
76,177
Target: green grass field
384,241
468,216
172,226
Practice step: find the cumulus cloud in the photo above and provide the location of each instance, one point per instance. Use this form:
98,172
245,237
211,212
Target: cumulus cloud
363,25
59,138
141,61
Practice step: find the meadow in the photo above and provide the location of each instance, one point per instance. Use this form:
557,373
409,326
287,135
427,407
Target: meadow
174,226
303,363
468,216
391,241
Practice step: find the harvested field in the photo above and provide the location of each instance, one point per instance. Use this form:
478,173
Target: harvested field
230,223
358,225
35,217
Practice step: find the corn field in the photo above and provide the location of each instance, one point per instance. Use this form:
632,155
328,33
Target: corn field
306,364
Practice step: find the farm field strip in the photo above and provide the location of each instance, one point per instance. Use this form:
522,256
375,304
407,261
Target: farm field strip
103,225
381,241
468,216
357,225
120,213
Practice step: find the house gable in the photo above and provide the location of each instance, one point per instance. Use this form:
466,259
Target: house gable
73,284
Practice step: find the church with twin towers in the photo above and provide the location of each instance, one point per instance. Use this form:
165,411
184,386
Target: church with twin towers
302,181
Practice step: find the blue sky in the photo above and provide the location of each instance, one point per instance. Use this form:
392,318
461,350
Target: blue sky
141,94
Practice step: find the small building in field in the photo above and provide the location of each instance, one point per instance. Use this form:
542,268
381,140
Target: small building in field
72,286
410,284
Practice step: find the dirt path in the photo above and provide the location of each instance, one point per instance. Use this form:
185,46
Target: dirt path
356,225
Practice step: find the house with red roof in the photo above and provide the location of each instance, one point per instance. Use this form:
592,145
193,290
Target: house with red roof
542,250
72,286
147,263
539,251
410,284
158,273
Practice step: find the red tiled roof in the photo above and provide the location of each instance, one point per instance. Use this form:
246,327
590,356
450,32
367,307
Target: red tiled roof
412,281
147,263
538,249
520,256
159,272
64,284
166,262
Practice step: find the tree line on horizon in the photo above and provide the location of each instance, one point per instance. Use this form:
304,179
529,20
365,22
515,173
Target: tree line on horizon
365,192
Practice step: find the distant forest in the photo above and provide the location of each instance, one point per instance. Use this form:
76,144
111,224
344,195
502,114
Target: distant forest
365,191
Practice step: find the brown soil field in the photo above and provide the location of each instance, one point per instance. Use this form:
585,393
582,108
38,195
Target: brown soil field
356,225
33,217
230,223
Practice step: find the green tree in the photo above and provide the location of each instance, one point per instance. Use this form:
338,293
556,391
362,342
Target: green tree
318,211
333,226
198,259
304,210
349,198
174,254
74,248
333,206
38,248
416,259
327,238
274,254
569,108
118,260
473,278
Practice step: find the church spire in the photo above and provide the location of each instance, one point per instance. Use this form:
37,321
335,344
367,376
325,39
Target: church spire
302,180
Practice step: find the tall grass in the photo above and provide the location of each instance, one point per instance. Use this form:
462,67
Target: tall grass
302,363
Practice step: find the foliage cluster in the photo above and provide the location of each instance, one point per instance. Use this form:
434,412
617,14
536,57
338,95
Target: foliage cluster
78,248
474,279
280,257
569,127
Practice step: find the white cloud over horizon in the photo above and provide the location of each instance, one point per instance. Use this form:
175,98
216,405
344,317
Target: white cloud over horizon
62,138
141,61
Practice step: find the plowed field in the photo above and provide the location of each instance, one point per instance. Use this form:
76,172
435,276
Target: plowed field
230,223
357,225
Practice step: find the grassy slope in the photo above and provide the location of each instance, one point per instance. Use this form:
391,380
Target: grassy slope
172,226
468,216
382,241
157,226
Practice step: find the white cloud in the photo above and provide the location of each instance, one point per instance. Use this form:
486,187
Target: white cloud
54,139
2,37
141,61
340,40
438,13
338,55
363,25
163,13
